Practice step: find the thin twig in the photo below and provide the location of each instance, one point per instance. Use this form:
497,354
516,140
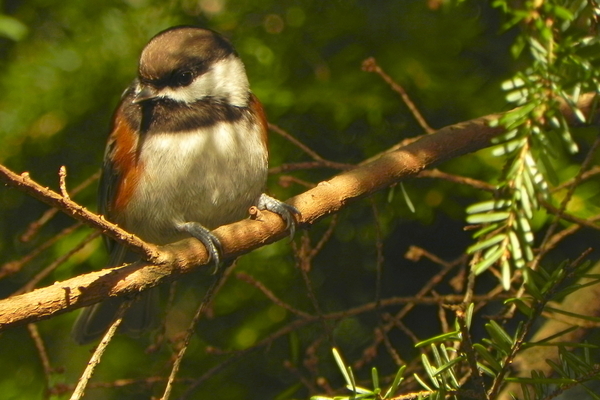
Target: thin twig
414,253
463,180
467,347
469,292
270,295
42,352
287,180
569,217
208,296
311,355
289,366
405,329
304,264
316,249
304,257
379,260
299,166
559,236
590,173
95,359
370,65
563,205
442,316
56,263
15,266
391,349
26,184
62,182
396,319
282,132
35,226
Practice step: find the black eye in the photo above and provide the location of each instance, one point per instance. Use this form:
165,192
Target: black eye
183,78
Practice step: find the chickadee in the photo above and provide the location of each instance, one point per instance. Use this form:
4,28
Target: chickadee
187,153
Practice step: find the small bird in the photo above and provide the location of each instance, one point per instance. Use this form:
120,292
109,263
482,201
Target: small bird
187,153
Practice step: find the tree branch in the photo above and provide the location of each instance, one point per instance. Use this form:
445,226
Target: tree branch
62,202
168,262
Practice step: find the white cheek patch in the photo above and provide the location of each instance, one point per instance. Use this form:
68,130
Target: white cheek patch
225,80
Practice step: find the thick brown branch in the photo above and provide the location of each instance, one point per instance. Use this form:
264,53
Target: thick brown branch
241,237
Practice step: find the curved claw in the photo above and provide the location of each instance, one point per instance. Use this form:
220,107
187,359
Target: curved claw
284,210
210,241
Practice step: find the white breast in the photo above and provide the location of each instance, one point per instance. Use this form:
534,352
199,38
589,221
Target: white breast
211,176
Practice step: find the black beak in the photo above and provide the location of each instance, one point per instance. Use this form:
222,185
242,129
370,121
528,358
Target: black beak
144,92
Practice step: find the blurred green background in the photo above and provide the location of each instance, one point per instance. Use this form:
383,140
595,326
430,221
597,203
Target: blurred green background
63,67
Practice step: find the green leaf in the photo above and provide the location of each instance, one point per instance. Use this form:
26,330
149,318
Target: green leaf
590,392
450,336
509,136
515,246
531,285
505,271
469,315
562,12
486,370
548,167
517,95
574,287
450,364
554,122
567,138
436,355
341,366
488,205
486,243
508,147
521,305
516,117
573,362
571,345
580,116
540,380
526,193
551,338
488,357
397,381
525,201
512,83
430,369
352,384
375,378
574,315
423,384
487,262
360,390
487,217
525,229
485,230
499,336
409,203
